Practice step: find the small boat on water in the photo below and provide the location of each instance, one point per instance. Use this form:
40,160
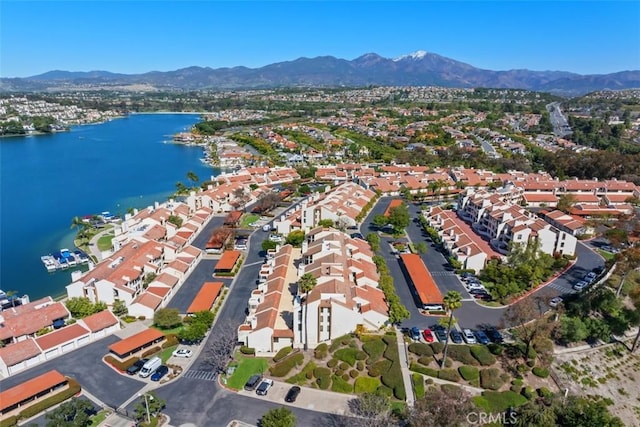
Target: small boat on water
64,258
49,262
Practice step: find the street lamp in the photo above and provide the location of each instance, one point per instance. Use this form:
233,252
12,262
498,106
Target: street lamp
146,405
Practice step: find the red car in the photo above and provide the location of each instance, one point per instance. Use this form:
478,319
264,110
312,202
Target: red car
428,335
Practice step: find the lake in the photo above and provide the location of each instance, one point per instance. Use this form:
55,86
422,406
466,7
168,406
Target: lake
46,180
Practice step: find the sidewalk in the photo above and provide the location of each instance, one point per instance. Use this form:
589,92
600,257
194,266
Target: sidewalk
404,367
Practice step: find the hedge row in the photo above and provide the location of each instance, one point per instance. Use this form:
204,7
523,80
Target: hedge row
462,354
321,351
483,355
340,385
121,366
323,377
282,353
170,341
540,372
305,374
152,351
437,347
469,373
496,402
366,385
449,375
423,370
421,349
393,377
247,350
10,421
375,349
379,368
350,355
281,369
425,360
46,403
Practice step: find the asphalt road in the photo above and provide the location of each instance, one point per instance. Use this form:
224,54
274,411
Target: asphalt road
472,314
190,288
559,122
85,365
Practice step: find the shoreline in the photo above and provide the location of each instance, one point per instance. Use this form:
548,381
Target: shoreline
69,129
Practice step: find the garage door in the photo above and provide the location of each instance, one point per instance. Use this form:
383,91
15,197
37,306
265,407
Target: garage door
99,334
67,347
33,361
16,368
52,353
83,340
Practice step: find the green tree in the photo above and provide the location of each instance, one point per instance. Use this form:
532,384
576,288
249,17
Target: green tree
306,283
573,329
72,413
442,407
181,188
325,223
193,332
119,308
191,176
268,244
80,307
167,318
175,220
566,202
371,410
295,238
380,221
421,247
399,217
583,412
452,302
278,417
149,405
374,241
204,317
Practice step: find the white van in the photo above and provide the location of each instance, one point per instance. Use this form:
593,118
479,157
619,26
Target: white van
150,367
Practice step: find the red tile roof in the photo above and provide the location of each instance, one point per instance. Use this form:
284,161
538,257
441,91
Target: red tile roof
61,336
206,297
393,204
30,388
227,261
136,341
19,352
30,321
426,287
99,321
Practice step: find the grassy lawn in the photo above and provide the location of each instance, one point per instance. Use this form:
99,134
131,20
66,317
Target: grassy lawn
606,255
247,366
173,331
104,242
98,418
166,353
248,219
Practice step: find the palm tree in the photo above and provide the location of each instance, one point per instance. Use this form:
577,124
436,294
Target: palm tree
452,301
191,176
76,222
306,283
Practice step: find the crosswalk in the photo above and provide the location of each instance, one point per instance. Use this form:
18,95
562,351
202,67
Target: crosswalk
442,273
559,287
200,375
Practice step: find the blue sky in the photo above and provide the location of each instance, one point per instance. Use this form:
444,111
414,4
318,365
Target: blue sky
132,37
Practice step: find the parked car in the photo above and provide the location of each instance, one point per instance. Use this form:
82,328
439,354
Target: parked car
292,394
357,236
482,338
253,382
264,387
554,302
428,335
473,285
484,296
580,285
456,337
159,373
137,365
468,336
183,352
494,335
266,227
441,334
414,333
275,238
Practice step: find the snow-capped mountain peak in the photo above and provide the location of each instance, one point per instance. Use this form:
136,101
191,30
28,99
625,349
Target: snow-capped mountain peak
419,54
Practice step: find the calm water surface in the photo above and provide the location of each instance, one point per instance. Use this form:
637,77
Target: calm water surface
47,180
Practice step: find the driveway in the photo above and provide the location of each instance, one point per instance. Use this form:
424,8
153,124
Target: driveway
85,365
190,288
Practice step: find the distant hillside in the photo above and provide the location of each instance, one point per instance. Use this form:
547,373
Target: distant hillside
417,69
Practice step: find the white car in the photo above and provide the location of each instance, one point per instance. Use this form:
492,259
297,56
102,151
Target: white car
471,286
468,336
264,387
580,285
275,238
183,352
554,302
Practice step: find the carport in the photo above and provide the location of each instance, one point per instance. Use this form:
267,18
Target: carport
137,342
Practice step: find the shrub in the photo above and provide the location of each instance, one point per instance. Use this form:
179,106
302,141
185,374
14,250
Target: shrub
541,372
10,421
347,355
495,349
247,350
531,363
370,337
360,365
418,385
426,361
346,377
426,371
527,392
361,355
171,340
490,379
544,392
517,382
516,388
323,377
142,318
121,366
469,373
282,353
449,375
332,363
343,366
366,385
337,343
129,319
420,349
152,351
437,347
46,403
461,353
393,377
379,368
532,354
354,373
338,372
483,355
281,369
305,374
374,348
321,351
384,391
448,363
495,402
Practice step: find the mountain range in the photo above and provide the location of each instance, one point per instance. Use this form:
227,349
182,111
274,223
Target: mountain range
416,69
